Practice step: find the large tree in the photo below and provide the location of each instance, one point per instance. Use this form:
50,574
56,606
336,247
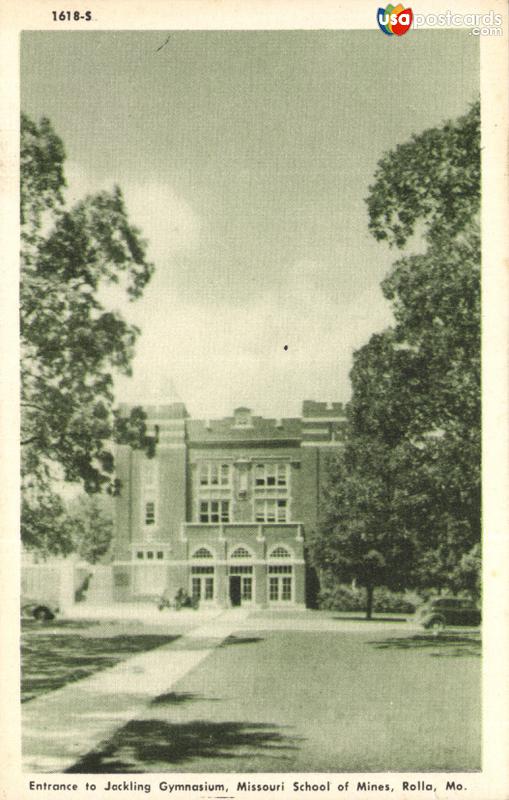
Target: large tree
357,538
71,343
414,416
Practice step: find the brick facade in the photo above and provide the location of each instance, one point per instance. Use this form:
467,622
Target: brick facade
222,509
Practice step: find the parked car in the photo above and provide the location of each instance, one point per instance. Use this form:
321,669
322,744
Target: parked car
442,611
37,609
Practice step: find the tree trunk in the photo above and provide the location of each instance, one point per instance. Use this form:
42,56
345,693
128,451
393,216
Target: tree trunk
369,604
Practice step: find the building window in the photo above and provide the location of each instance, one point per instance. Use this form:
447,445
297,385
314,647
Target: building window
150,554
214,511
203,553
149,487
271,510
273,589
246,588
150,512
280,583
280,569
271,476
280,552
214,474
286,588
241,552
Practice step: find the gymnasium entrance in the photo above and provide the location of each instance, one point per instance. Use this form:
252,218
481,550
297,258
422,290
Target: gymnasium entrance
235,590
240,585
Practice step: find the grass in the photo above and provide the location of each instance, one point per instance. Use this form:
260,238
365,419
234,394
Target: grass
56,653
311,702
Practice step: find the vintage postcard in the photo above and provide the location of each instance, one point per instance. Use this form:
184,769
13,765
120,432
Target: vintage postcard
254,400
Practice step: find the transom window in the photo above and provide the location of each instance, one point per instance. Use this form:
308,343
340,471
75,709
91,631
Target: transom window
280,552
271,475
214,511
241,552
202,552
271,510
243,570
214,474
280,569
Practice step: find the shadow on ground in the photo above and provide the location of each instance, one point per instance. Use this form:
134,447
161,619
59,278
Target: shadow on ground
443,645
45,626
52,660
145,744
241,640
178,698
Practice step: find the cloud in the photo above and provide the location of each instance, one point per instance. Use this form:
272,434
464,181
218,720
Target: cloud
167,221
216,347
220,356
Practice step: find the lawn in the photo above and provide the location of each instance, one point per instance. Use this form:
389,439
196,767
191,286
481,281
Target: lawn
56,653
299,701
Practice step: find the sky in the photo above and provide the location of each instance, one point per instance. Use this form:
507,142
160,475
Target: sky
245,158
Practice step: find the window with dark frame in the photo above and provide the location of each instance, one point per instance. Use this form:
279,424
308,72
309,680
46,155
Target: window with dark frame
214,511
150,512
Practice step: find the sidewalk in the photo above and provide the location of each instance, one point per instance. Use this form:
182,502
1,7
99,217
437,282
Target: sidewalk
62,726
139,612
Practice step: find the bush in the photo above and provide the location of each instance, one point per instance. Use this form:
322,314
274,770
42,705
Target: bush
389,602
342,597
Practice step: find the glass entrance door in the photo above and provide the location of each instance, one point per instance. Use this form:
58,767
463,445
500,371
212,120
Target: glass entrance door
280,584
241,580
235,590
202,584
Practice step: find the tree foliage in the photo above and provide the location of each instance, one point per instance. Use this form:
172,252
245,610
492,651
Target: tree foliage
432,181
71,343
358,538
409,476
90,520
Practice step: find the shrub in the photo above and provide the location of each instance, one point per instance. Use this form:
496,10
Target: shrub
341,597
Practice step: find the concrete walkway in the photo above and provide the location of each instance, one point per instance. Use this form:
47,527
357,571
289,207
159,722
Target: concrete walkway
138,612
62,726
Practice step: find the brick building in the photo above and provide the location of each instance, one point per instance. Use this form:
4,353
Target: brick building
223,508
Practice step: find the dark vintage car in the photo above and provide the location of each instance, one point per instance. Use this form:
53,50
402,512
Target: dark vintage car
442,611
37,609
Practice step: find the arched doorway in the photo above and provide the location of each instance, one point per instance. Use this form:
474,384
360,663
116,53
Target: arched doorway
241,577
202,576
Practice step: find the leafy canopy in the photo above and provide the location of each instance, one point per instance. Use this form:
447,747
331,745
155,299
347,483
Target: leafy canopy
71,342
402,501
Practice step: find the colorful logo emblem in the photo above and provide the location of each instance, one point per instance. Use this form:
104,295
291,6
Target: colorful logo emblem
395,19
